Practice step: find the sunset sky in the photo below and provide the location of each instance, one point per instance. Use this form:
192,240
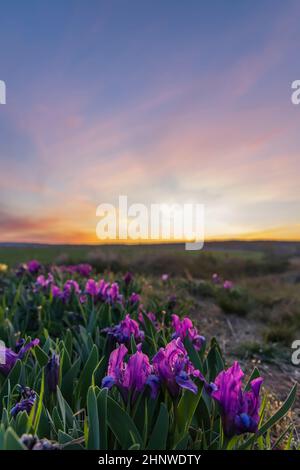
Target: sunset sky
165,101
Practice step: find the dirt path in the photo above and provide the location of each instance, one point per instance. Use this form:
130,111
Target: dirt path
233,332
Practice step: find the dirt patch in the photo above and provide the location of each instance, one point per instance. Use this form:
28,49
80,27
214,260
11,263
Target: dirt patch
234,334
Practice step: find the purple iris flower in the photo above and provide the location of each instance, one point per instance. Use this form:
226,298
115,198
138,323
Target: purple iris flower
83,269
71,286
56,292
128,278
134,298
8,357
92,287
33,266
26,402
34,443
124,330
185,328
216,278
65,294
103,290
113,294
239,409
172,365
227,285
132,376
44,282
52,372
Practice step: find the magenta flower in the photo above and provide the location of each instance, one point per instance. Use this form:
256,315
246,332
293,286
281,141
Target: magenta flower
8,357
103,287
228,285
123,332
56,292
165,277
92,287
71,286
239,409
131,377
103,291
172,365
83,270
185,328
113,294
33,266
134,298
44,282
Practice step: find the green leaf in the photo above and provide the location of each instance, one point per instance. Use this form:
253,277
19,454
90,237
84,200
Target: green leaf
93,419
86,376
193,355
214,360
41,356
135,447
133,344
102,409
122,425
58,424
21,423
67,386
69,342
255,374
35,414
158,439
185,411
12,442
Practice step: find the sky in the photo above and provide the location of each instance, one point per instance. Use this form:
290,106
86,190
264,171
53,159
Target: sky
165,101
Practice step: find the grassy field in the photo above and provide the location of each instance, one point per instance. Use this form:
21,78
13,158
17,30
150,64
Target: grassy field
255,319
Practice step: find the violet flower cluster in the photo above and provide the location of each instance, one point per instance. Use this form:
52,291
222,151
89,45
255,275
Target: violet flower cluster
122,332
226,284
239,408
170,368
9,357
82,269
174,368
185,328
130,377
27,400
33,266
103,291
